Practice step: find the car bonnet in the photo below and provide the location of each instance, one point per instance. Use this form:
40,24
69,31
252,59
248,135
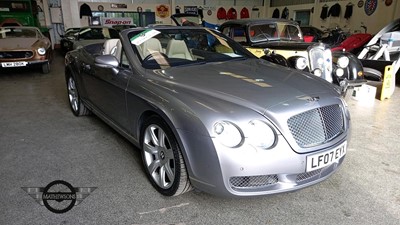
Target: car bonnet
17,43
253,83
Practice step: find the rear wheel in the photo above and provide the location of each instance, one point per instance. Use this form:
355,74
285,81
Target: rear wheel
162,158
77,106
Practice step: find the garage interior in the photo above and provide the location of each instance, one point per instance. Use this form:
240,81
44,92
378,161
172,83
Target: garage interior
42,141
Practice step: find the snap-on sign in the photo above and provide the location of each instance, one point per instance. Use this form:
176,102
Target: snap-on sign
117,21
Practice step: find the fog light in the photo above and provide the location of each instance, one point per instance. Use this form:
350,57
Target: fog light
339,72
301,63
317,72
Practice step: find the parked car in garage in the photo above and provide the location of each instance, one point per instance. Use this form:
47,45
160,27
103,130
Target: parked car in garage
312,34
24,47
122,27
281,41
87,35
383,50
206,113
67,39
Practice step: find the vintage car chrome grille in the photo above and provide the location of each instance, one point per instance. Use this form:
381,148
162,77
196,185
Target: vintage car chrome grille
317,126
16,54
253,181
321,58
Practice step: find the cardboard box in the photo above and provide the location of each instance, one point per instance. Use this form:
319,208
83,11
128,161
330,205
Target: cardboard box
365,94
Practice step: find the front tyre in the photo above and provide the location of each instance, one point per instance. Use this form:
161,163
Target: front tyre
46,68
77,106
162,158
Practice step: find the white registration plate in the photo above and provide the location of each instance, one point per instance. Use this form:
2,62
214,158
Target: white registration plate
13,64
323,159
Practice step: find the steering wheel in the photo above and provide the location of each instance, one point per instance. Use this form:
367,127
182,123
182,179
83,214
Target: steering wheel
155,55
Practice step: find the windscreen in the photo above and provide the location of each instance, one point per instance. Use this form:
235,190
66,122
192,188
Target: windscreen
159,48
18,32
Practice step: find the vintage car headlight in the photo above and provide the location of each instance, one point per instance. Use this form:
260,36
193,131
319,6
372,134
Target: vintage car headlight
261,134
339,72
301,63
41,51
228,134
317,72
343,61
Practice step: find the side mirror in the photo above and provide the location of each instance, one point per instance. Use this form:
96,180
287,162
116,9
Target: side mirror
106,61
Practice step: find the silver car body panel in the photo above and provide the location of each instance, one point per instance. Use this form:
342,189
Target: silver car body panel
192,98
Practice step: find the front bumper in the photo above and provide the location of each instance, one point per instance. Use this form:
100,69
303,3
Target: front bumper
250,172
16,64
247,171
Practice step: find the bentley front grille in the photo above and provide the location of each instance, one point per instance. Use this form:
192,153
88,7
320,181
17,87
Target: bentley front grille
16,54
317,126
253,181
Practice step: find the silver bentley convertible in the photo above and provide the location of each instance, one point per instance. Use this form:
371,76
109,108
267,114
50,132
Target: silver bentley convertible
207,114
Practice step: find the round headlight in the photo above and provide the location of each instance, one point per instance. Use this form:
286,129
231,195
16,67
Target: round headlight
339,72
41,51
343,61
228,134
261,134
301,63
317,72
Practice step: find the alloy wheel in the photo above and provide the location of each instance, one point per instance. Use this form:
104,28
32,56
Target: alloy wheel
73,94
159,156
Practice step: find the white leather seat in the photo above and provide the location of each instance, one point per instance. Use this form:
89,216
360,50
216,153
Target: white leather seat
150,46
178,49
113,47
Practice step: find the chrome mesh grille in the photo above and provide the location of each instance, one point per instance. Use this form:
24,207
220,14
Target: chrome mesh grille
16,54
253,181
305,176
316,126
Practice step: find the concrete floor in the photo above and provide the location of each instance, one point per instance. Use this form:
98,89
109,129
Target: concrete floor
41,141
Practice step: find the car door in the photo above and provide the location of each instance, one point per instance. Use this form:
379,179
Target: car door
106,91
